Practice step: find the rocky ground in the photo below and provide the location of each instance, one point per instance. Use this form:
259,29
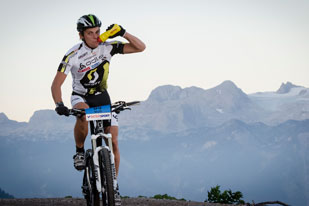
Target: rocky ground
81,202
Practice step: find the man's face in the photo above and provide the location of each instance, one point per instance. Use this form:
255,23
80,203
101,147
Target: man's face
91,36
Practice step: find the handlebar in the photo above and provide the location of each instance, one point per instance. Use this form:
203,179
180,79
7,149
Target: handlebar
116,107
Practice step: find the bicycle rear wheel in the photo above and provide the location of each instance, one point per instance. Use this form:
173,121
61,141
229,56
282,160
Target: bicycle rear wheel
90,191
108,196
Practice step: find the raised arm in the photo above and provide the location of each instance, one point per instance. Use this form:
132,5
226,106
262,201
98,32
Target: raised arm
134,45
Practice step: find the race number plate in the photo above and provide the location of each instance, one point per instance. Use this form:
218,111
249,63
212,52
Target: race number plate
98,113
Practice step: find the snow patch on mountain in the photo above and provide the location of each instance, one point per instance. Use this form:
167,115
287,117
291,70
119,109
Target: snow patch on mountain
220,111
209,144
285,88
293,103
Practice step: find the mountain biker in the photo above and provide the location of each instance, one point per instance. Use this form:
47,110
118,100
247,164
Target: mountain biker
88,63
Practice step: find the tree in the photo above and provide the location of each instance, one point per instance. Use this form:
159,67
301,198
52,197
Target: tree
227,197
5,195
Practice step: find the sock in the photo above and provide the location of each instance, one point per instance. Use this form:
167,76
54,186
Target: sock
81,150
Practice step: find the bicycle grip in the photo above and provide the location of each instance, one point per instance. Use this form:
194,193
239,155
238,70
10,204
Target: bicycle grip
103,37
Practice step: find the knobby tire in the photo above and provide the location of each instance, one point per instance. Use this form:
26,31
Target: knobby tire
92,195
107,178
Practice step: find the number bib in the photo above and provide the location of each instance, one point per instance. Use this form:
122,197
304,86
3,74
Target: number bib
98,113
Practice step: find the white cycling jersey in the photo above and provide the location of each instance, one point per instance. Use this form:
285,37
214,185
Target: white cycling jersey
89,67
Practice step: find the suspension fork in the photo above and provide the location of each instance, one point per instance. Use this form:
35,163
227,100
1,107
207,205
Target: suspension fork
97,132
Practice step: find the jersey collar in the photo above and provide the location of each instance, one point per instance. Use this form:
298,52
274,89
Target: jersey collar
88,48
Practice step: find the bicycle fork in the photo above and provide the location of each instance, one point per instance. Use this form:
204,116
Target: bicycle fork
96,150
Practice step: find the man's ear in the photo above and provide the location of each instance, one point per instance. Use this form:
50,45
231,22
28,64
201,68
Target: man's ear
81,35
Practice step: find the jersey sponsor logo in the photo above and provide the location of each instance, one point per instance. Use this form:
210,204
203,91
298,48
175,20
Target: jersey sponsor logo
83,68
89,57
92,61
84,54
95,65
93,77
95,60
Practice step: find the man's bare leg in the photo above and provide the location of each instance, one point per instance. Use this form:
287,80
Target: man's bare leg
81,126
114,132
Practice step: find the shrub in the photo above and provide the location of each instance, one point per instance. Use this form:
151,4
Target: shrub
227,197
166,197
5,195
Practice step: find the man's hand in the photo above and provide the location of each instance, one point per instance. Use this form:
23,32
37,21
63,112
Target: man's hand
61,109
121,32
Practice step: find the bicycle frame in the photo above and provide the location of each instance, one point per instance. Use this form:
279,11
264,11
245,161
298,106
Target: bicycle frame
100,163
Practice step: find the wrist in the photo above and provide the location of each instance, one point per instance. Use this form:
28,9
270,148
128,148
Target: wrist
58,104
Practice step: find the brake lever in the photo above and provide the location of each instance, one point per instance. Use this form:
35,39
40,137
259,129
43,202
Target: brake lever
120,103
118,110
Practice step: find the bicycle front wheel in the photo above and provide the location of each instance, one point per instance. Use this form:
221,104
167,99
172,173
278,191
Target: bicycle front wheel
108,194
90,191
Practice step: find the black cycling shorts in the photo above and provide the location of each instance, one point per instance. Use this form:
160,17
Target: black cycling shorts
96,100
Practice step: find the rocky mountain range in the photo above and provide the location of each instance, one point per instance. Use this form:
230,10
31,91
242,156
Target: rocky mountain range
171,108
196,107
178,141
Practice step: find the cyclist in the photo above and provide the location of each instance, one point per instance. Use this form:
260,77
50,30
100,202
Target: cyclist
88,63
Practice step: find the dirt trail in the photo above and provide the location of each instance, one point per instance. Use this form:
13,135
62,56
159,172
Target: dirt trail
81,202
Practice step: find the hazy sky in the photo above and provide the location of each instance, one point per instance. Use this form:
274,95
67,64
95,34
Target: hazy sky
258,44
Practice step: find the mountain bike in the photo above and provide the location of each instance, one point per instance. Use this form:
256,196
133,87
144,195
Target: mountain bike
100,173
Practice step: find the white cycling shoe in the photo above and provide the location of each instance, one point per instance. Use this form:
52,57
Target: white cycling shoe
79,161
